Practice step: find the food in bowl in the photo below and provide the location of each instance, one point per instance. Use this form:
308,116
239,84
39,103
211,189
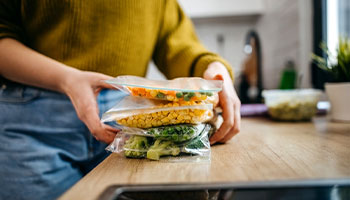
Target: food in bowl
291,105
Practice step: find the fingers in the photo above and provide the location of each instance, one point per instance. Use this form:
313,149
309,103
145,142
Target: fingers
237,124
228,117
228,101
103,134
110,128
100,131
232,119
82,92
101,82
98,80
108,134
87,111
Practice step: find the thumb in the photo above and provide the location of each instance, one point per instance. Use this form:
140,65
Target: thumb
101,81
103,84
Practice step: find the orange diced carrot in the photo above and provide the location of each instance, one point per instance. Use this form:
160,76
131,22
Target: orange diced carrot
163,91
171,92
142,91
134,91
148,94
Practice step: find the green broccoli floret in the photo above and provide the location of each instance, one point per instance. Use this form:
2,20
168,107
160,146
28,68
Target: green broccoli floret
162,148
136,147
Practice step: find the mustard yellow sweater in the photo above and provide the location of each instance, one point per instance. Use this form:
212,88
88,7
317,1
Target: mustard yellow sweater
114,37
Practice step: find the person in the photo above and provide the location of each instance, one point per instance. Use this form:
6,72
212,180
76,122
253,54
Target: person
54,57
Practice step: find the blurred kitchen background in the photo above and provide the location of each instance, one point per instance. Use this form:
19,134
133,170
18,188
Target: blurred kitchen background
268,37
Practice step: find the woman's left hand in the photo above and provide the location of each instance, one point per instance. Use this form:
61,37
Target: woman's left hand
228,101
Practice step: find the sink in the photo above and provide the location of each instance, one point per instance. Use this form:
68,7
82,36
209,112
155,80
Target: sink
301,190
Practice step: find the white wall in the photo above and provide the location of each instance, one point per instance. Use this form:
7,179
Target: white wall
233,32
215,8
285,32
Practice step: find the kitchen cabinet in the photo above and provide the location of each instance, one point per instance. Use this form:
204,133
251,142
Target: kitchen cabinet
222,8
265,151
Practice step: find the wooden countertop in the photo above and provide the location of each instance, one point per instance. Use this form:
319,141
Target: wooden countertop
263,151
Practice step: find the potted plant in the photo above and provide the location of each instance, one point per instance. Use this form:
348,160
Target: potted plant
338,91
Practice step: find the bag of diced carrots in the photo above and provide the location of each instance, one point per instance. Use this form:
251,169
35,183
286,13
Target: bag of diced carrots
179,89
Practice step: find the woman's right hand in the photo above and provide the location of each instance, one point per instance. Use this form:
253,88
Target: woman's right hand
82,88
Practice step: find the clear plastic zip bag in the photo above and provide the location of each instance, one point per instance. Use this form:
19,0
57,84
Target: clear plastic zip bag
179,89
135,146
146,113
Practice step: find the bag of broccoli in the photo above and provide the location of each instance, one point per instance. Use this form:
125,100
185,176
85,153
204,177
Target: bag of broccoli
146,113
179,89
136,146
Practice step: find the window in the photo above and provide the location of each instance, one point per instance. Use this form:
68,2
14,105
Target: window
343,17
338,13
331,20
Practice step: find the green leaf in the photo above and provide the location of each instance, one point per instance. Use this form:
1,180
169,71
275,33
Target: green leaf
341,70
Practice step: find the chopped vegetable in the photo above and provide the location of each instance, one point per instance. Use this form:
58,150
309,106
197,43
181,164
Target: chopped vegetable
160,95
153,148
176,133
209,94
169,95
199,144
293,111
187,98
196,143
168,117
162,148
191,94
179,95
136,146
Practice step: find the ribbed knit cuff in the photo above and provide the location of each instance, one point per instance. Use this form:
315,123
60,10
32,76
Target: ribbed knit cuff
202,64
10,35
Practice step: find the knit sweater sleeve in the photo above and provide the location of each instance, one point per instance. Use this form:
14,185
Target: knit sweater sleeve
178,52
10,20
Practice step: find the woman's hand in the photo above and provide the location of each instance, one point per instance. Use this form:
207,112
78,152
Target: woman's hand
82,88
228,101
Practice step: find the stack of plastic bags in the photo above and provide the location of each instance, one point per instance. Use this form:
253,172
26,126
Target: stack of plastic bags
163,118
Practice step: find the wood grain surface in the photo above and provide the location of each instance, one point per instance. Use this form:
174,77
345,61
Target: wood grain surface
264,151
